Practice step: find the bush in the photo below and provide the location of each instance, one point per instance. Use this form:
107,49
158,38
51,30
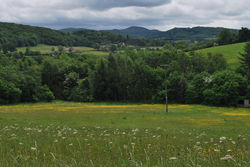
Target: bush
226,88
9,93
194,92
46,94
81,92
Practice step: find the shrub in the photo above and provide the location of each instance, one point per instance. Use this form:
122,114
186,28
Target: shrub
9,93
227,88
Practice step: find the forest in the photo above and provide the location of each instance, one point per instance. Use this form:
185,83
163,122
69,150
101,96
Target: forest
126,76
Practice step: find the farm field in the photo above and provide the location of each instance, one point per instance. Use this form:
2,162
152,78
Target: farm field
230,52
112,134
47,49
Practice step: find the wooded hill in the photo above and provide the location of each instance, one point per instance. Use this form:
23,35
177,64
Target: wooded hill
196,33
25,35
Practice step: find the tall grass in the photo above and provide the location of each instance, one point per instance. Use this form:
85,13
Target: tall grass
98,134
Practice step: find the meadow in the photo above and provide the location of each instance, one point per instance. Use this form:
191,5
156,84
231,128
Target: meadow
230,52
47,49
112,134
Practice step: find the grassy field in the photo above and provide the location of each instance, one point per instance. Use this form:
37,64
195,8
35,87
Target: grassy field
230,52
47,49
99,134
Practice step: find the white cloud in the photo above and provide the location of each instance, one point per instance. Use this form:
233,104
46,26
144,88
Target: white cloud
105,14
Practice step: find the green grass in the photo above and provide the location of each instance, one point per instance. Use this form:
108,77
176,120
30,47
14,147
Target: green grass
47,49
230,52
44,49
102,134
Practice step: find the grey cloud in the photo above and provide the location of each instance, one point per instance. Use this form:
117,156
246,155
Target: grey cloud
106,4
106,14
90,4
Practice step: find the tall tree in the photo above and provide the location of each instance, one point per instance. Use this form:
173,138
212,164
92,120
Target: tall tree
244,35
226,37
245,59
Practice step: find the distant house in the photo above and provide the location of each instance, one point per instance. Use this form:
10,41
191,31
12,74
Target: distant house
69,49
105,47
245,104
122,44
73,50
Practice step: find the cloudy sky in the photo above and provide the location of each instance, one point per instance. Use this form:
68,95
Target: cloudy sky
109,14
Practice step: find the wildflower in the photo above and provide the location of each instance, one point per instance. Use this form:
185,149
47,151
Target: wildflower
55,141
227,157
172,158
216,150
71,144
33,148
135,130
222,138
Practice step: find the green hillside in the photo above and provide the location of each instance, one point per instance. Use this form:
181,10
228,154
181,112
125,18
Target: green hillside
230,52
24,35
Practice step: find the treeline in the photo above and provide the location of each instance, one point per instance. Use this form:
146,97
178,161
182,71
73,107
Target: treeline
224,37
228,37
131,76
16,35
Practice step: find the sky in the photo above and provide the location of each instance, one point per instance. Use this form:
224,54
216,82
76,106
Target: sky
109,14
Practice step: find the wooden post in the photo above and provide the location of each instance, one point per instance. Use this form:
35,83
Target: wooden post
166,86
166,89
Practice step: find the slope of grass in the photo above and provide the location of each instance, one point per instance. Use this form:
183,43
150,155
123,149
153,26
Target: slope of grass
230,52
44,49
101,134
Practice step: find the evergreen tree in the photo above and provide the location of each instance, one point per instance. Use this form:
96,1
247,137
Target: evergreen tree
245,59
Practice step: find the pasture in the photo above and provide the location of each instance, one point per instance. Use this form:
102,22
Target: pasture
111,134
230,52
47,49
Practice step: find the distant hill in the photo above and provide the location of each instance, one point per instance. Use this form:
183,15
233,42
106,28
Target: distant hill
196,33
25,35
72,30
137,32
